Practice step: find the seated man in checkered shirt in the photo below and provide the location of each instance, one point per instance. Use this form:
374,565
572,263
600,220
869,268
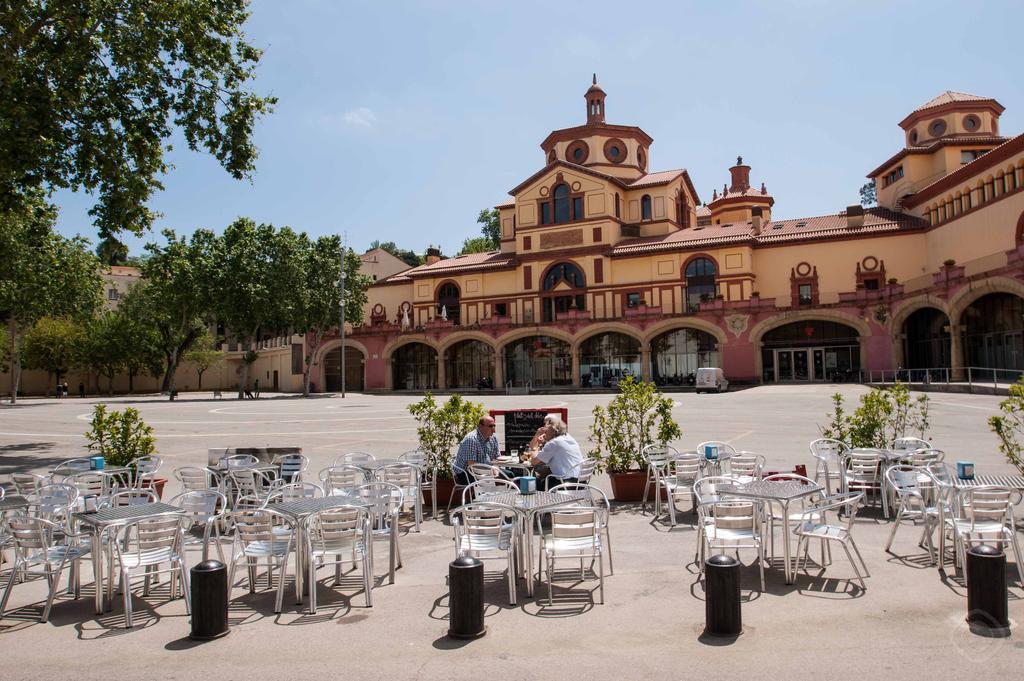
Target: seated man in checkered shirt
480,446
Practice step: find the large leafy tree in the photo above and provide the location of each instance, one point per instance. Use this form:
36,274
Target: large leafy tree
42,274
476,244
102,347
258,272
409,257
53,345
317,307
93,90
490,226
204,356
175,295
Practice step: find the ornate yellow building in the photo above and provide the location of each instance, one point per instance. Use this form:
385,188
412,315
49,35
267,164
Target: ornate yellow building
607,268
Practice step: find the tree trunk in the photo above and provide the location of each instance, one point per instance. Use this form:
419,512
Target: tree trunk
131,381
200,372
243,380
110,383
311,351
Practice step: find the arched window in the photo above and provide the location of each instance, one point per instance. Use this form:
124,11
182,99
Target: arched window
562,206
561,196
700,282
448,302
645,207
564,286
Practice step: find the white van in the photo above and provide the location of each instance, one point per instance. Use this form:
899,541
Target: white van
711,379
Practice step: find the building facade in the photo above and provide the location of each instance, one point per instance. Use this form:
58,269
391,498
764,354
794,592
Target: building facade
608,268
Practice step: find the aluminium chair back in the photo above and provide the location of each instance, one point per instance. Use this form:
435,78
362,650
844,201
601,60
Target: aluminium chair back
338,529
91,483
132,497
354,457
587,469
194,478
72,466
486,487
483,526
342,479
145,469
746,464
28,484
924,457
295,491
989,505
239,461
292,466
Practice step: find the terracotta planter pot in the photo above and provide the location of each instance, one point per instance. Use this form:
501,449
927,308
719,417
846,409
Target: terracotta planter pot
444,492
628,486
158,485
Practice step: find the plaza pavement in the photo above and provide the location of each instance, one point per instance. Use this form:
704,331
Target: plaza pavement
908,622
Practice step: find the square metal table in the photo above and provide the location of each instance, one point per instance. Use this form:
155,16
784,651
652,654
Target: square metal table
108,518
782,492
528,506
1012,481
297,512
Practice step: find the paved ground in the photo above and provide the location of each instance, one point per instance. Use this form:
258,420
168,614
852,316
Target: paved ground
909,620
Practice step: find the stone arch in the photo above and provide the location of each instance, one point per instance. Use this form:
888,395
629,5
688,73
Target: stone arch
608,327
390,348
963,298
899,317
319,370
661,327
1019,236
507,338
763,327
454,338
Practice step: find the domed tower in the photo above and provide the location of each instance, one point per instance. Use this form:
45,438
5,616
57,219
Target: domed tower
619,150
941,135
739,202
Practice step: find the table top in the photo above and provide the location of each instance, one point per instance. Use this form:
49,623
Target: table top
782,490
1011,481
305,507
109,470
220,468
377,464
126,514
13,503
538,500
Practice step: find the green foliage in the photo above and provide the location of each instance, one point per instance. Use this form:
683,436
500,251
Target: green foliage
119,437
868,194
5,351
204,356
883,416
52,344
479,244
104,347
489,220
111,252
637,417
409,257
442,427
1009,426
93,91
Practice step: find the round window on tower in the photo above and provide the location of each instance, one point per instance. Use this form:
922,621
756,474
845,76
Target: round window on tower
937,127
972,123
577,152
615,150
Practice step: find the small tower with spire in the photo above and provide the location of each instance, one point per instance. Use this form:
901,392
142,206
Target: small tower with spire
595,103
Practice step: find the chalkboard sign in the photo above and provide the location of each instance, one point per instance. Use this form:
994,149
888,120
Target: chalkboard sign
520,426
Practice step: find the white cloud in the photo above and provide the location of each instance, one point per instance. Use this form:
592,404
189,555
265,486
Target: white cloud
360,117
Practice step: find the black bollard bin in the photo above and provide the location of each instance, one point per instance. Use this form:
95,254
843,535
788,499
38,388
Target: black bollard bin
722,615
986,587
466,598
209,600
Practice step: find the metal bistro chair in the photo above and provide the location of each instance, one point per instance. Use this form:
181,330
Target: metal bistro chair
486,487
255,538
906,482
678,480
193,478
296,491
239,461
587,469
657,457
829,463
339,535
815,525
148,544
746,466
384,502
575,533
292,466
795,516
428,480
354,457
28,484
910,444
488,531
36,543
864,474
92,484
406,477
598,500
987,516
251,482
70,467
144,470
731,524
205,508
925,457
341,480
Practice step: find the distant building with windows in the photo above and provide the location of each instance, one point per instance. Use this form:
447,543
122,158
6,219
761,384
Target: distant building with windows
117,279
608,268
378,264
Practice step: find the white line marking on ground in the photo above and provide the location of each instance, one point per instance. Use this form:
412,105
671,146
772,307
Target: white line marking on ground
739,437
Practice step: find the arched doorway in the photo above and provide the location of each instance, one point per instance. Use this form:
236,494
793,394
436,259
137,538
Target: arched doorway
355,362
541,361
448,302
414,367
993,332
811,350
469,364
678,353
563,288
926,343
606,358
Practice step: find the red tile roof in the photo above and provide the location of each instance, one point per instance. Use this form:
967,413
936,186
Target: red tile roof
999,154
653,179
468,262
506,204
949,97
649,180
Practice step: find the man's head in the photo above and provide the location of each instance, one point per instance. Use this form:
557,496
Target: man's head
556,424
485,426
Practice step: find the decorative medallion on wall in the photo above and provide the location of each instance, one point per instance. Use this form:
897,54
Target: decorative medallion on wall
543,191
576,186
869,263
803,269
737,323
577,152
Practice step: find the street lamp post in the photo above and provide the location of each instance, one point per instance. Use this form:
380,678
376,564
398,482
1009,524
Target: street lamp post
341,315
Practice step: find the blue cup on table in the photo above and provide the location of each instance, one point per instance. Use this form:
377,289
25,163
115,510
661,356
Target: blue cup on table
96,463
965,470
711,452
527,484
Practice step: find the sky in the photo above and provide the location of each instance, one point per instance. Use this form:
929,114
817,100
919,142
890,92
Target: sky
398,121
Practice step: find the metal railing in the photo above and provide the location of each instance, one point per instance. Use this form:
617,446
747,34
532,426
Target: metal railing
970,376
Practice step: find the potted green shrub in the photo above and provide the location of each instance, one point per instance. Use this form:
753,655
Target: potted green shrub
1009,426
120,437
635,418
440,428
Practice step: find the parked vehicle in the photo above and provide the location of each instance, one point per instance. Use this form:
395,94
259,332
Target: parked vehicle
711,379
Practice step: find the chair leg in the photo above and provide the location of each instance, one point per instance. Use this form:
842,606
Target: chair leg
54,585
368,580
647,486
857,551
895,524
183,577
854,564
283,571
608,543
126,593
600,573
10,585
311,579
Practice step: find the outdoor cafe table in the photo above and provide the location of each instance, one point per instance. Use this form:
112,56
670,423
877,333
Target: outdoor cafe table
528,506
1012,481
298,512
108,518
782,492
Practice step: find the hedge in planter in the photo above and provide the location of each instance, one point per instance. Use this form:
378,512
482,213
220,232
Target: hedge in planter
119,437
637,417
440,428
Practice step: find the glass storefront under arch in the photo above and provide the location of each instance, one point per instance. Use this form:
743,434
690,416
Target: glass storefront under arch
469,364
540,361
414,367
677,354
607,358
926,339
354,363
993,328
811,350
